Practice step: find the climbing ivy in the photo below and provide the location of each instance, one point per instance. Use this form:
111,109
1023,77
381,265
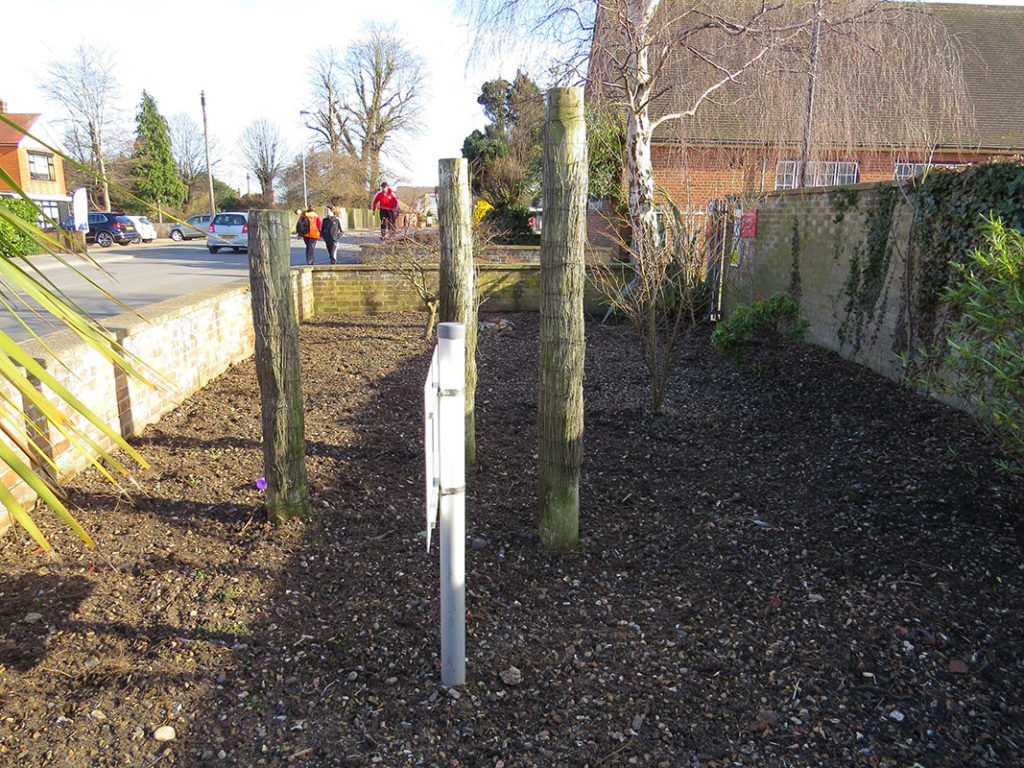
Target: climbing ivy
843,199
869,266
950,224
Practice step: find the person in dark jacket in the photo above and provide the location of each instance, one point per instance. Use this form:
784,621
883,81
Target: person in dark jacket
331,232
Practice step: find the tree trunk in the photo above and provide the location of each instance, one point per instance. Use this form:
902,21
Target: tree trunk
562,343
277,366
457,303
639,166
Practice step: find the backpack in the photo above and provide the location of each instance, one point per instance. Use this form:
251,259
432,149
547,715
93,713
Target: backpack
302,228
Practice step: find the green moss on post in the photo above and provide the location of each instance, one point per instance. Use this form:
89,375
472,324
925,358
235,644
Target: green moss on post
277,366
562,344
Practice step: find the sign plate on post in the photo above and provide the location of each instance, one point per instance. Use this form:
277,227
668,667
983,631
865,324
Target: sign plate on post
431,440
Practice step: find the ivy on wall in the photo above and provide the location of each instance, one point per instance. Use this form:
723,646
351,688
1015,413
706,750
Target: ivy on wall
869,266
951,209
949,213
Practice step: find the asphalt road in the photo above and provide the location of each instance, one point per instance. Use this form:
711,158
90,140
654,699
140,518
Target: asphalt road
140,275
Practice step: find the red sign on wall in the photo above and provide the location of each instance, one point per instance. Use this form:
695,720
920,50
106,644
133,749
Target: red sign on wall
748,224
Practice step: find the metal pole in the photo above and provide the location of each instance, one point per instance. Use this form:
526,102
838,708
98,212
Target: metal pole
305,198
451,359
209,170
305,194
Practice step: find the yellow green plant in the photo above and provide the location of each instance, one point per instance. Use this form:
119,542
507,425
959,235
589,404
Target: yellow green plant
25,289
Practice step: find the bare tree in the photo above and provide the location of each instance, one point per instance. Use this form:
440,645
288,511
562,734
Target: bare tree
326,117
689,63
189,150
85,87
803,76
263,150
384,83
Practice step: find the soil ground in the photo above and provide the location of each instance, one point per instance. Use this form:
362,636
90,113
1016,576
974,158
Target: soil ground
797,564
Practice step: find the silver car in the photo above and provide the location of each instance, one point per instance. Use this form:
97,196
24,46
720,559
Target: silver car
194,227
228,230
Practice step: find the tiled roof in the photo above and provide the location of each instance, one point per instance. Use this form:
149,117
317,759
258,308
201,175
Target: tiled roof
991,39
9,135
991,51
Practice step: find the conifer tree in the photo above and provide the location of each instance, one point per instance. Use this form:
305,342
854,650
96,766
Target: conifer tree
156,173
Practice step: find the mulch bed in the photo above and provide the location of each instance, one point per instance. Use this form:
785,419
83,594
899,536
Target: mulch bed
797,564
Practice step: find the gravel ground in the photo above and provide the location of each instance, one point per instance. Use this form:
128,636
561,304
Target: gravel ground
798,564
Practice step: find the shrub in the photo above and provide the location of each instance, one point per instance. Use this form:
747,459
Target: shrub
13,242
982,358
511,225
768,319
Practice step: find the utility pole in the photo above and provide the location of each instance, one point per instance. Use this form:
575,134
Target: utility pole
209,170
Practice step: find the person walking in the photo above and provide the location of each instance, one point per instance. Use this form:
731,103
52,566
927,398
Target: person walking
309,229
387,203
332,231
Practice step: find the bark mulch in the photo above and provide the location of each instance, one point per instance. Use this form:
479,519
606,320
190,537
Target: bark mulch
797,564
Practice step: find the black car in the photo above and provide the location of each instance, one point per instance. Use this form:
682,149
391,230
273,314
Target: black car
107,228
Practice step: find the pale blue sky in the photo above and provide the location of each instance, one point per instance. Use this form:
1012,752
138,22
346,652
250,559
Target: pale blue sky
251,58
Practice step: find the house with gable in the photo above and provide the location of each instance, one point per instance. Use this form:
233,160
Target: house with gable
33,166
749,139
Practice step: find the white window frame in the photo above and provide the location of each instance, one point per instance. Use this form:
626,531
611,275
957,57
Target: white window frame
820,173
904,170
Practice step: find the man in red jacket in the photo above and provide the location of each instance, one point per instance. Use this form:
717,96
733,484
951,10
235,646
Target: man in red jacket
387,203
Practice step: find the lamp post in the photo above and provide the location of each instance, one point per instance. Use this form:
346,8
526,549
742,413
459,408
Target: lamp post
305,193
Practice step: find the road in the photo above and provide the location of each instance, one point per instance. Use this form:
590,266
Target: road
140,275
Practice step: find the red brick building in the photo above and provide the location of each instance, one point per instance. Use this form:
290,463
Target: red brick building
33,166
741,143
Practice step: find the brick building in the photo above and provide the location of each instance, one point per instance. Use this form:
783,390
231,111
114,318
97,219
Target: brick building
33,166
740,142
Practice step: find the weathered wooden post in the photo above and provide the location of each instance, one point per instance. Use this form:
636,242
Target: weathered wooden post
562,342
277,366
457,301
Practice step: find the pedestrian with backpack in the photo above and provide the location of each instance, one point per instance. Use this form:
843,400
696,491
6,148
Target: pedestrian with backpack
308,229
332,231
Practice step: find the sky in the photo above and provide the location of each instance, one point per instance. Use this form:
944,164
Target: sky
251,59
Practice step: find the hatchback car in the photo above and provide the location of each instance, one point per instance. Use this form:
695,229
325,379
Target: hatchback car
228,230
194,227
145,228
106,228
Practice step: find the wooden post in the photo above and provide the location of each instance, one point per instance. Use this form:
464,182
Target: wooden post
457,302
562,342
277,366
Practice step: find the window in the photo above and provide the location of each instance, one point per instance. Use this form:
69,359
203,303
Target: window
47,208
40,166
820,173
904,170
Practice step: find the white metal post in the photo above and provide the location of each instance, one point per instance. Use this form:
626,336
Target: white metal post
451,358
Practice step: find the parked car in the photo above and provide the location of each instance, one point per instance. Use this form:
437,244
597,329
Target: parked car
228,230
106,228
145,227
194,227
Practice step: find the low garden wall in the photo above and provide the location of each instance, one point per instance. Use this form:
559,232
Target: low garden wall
867,263
192,339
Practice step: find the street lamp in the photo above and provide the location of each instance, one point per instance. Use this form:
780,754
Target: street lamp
305,194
